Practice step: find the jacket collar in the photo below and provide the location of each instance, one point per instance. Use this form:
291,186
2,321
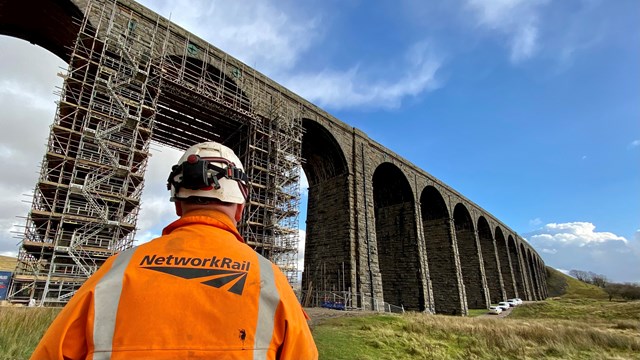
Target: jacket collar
204,217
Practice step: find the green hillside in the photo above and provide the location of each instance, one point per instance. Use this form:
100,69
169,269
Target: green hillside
561,285
7,263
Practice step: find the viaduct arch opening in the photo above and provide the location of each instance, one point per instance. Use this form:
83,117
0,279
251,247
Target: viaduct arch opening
327,264
49,24
517,269
470,258
490,260
440,253
505,264
397,239
524,267
526,275
535,285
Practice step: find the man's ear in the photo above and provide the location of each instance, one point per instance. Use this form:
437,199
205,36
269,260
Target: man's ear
239,210
178,205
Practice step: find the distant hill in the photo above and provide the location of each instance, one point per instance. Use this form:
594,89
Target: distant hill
8,263
561,285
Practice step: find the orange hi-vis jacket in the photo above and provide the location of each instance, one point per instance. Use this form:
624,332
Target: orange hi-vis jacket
197,292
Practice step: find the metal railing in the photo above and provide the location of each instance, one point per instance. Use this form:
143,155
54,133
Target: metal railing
347,300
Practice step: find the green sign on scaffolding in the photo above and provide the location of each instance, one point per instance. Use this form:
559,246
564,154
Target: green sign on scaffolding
192,49
237,73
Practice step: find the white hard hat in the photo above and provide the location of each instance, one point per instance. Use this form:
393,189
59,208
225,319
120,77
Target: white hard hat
209,170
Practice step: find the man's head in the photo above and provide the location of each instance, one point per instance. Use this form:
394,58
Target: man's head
209,175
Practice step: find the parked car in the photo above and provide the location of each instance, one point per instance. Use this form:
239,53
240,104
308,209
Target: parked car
495,310
512,302
504,305
517,301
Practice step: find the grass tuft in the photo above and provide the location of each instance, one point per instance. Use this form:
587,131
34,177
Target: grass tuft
21,329
627,325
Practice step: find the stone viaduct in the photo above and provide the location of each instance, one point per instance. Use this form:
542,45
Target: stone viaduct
376,224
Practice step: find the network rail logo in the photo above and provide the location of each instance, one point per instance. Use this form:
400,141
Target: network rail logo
218,272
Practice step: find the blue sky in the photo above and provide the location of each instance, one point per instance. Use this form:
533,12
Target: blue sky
531,109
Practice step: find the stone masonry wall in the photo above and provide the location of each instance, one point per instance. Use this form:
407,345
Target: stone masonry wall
517,273
442,267
327,234
505,269
491,269
398,256
470,263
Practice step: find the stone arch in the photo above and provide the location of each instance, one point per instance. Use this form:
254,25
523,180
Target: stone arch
505,264
327,247
543,277
470,258
490,261
49,24
397,238
438,234
518,284
323,157
535,283
526,275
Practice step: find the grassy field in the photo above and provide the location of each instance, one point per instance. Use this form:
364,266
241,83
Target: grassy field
419,336
580,324
21,329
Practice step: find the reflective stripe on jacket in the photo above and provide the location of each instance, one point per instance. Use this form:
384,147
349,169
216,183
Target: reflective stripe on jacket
197,292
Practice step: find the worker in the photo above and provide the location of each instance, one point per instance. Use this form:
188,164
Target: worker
196,292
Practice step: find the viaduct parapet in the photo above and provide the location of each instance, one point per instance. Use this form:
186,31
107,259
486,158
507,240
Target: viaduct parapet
380,232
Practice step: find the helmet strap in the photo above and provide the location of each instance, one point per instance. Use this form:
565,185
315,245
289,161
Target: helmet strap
200,174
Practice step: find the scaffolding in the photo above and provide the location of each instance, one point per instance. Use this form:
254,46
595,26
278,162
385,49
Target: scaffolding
85,204
271,216
122,90
209,96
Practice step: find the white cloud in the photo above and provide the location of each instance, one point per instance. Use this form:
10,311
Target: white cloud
12,204
634,144
515,19
268,35
351,88
25,93
577,245
535,222
579,233
524,43
156,210
28,108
